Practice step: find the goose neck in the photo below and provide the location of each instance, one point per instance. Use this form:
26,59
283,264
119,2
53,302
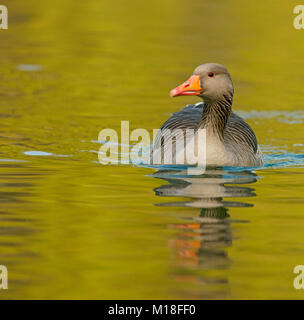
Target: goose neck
215,115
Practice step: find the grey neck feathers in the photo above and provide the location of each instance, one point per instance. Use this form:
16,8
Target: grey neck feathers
215,115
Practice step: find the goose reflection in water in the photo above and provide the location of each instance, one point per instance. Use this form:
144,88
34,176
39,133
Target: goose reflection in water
202,242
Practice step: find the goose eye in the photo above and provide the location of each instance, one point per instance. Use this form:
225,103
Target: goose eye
211,74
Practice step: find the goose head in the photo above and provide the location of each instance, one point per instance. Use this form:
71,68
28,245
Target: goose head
210,81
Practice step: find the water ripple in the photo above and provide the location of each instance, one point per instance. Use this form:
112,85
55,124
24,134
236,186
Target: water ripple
291,117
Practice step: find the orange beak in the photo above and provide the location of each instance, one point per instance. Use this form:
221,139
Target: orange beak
191,87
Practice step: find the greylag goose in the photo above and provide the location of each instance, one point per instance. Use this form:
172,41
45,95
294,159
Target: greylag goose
230,141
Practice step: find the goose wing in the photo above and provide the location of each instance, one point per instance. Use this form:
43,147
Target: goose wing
187,118
238,131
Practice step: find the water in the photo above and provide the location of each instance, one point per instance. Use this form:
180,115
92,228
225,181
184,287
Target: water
73,228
